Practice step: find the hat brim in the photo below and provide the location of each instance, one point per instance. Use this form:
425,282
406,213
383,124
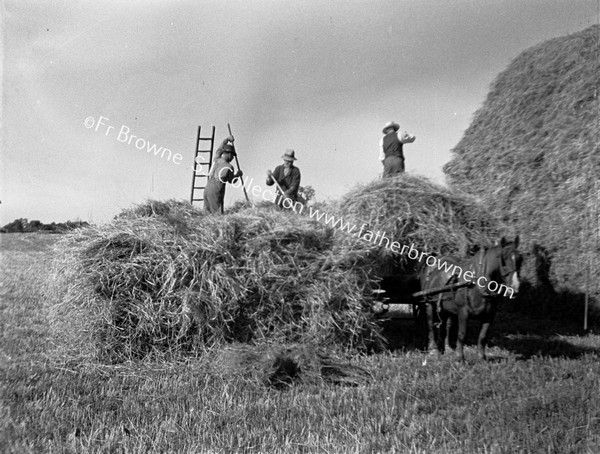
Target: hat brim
288,158
395,127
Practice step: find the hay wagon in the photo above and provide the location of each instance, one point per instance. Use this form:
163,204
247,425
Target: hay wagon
402,297
400,310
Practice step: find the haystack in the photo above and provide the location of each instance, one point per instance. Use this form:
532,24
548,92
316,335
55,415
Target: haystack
165,278
532,152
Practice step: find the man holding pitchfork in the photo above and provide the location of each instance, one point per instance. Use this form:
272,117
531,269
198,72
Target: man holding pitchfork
221,173
287,179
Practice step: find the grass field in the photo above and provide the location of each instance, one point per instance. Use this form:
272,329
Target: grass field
539,393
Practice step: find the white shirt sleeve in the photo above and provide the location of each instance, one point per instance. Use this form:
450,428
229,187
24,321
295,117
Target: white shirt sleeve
406,138
381,152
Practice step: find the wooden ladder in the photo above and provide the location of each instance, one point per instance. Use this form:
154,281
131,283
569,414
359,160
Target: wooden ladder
202,162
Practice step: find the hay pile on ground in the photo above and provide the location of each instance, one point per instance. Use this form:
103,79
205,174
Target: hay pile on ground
285,365
532,153
165,278
413,211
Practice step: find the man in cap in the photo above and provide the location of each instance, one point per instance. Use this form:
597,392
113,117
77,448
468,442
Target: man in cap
287,177
390,149
221,173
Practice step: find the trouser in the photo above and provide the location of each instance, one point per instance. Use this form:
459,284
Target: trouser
214,196
392,165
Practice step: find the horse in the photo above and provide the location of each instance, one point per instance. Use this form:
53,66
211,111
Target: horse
476,290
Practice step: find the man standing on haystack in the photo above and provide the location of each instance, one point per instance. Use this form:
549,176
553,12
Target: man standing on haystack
390,149
227,141
287,177
221,173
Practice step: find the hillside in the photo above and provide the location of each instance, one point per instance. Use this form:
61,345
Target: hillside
532,152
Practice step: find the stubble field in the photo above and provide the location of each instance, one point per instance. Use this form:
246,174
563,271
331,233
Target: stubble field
539,393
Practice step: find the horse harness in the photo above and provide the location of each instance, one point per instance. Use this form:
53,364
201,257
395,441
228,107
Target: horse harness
480,271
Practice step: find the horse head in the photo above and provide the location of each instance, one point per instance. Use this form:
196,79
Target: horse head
509,263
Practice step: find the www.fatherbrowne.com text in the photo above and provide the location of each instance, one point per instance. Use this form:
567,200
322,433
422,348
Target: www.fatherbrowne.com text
378,237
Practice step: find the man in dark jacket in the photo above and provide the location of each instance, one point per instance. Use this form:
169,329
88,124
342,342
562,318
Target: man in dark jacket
287,177
390,149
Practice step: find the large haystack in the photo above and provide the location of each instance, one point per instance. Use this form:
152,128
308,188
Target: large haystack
413,211
532,152
163,277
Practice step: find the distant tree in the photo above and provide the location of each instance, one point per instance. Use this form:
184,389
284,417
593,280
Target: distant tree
23,225
35,225
18,225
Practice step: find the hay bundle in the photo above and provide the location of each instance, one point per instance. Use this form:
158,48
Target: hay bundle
280,366
412,210
173,281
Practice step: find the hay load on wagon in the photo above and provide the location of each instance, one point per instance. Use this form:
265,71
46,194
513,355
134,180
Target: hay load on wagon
416,212
164,277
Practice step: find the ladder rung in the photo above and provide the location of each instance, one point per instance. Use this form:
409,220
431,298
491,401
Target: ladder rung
201,169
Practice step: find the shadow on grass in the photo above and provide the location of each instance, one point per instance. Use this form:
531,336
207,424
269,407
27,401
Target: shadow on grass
405,334
527,326
542,310
528,346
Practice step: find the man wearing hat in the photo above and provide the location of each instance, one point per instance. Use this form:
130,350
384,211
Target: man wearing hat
390,149
221,173
287,176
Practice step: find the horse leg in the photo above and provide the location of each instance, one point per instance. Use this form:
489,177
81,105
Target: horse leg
463,317
483,337
442,331
451,328
421,321
432,329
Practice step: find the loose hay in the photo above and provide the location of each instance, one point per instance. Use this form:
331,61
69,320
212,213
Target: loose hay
172,281
286,365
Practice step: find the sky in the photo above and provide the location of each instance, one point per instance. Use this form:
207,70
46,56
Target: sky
80,79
